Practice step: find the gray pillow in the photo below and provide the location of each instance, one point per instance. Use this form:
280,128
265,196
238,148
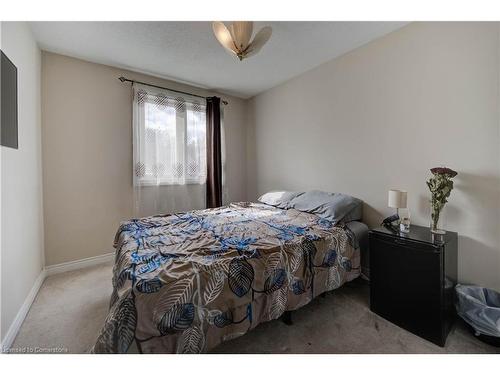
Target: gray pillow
280,199
335,207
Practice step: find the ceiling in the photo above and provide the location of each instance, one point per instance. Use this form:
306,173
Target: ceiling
188,51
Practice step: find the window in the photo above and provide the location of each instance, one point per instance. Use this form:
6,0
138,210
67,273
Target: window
169,139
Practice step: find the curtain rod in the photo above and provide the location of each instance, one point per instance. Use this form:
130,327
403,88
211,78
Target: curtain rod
123,79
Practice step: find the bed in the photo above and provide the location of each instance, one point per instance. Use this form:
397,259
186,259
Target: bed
184,283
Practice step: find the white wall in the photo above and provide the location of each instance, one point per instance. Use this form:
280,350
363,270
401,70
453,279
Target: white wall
87,154
22,219
380,116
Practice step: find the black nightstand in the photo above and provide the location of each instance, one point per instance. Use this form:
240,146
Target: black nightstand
412,280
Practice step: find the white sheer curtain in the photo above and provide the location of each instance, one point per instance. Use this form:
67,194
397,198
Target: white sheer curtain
169,151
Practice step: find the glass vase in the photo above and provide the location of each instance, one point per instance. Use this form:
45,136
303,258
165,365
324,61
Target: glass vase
404,220
437,220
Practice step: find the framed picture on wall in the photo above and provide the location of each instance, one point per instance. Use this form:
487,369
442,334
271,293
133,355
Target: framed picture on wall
8,103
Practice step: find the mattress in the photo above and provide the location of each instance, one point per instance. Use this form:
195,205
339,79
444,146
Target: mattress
184,283
360,231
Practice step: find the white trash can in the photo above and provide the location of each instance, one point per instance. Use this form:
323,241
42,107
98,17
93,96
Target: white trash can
480,308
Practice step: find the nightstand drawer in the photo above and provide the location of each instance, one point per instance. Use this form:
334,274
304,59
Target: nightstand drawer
402,242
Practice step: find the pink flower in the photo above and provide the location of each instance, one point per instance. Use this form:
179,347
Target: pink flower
443,170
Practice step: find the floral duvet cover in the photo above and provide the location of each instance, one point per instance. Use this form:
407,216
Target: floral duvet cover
184,283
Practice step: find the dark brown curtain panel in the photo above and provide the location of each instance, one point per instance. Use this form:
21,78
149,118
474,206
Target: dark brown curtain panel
214,154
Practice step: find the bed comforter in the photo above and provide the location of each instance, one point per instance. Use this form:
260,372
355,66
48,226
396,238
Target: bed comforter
184,283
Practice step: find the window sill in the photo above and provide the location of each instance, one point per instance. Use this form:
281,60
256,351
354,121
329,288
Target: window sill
145,183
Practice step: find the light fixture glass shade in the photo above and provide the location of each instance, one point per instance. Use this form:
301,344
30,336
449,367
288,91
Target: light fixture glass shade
260,39
236,38
224,37
241,33
397,198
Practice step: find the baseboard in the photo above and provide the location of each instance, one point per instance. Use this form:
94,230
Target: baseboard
23,311
78,264
47,271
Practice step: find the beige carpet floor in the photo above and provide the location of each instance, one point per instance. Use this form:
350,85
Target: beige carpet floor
70,309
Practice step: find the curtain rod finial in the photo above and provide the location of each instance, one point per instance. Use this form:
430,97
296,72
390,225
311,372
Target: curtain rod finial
122,79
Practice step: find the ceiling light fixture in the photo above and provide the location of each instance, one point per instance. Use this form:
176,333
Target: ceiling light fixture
236,38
